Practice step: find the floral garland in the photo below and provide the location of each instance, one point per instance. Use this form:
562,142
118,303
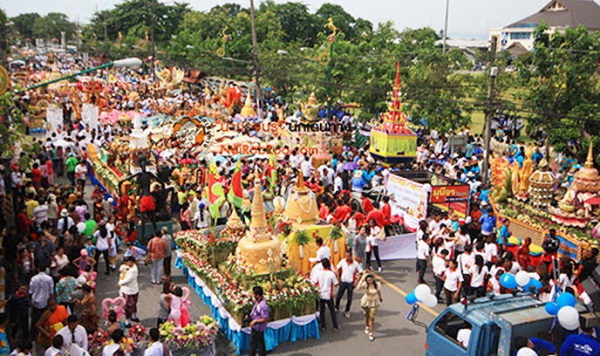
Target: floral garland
139,336
96,342
203,245
291,294
194,336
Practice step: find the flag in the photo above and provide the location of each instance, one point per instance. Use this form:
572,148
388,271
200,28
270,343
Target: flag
216,192
271,173
236,192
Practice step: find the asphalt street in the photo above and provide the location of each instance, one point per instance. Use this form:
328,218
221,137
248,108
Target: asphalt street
392,331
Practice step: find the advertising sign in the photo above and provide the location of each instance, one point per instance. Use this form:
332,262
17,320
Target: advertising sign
451,196
568,248
407,199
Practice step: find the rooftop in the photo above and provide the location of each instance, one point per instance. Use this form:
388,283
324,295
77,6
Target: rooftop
565,13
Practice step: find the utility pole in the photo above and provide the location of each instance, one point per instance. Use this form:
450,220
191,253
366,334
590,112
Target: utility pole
255,57
489,113
153,9
446,26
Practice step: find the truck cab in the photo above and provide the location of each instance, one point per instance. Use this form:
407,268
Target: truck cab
493,322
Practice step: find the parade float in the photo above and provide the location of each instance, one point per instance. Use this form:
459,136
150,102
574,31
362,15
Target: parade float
393,141
224,269
530,200
300,225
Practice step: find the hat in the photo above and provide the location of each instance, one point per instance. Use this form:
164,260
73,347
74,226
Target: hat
83,252
164,229
64,213
471,175
102,223
128,243
357,174
80,281
468,220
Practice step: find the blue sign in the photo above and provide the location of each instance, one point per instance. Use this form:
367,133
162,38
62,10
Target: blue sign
568,248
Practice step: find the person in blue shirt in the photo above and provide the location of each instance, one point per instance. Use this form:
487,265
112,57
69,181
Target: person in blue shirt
4,346
541,347
504,234
477,150
537,156
357,182
488,223
581,345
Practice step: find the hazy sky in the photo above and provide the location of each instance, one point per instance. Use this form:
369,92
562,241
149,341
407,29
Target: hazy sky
468,18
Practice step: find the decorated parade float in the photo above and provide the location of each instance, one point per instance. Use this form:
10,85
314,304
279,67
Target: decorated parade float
393,141
532,200
224,269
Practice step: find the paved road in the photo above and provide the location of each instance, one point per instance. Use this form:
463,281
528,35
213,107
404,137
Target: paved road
392,331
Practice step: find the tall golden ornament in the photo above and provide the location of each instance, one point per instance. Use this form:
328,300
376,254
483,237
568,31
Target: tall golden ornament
4,80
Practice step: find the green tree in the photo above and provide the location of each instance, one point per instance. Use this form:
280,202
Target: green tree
564,90
51,26
24,24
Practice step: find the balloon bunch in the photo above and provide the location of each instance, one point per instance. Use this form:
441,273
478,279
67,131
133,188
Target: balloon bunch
422,293
521,279
564,309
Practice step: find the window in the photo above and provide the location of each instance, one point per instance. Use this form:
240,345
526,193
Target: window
454,328
520,35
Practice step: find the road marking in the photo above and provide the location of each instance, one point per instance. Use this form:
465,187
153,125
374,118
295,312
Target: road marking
403,293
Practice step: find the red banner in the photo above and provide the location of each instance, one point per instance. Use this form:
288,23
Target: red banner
443,194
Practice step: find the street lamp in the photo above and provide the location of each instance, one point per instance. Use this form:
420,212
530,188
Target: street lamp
132,63
446,26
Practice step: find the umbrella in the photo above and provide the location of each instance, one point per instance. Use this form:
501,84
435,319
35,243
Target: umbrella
350,166
63,144
593,200
218,159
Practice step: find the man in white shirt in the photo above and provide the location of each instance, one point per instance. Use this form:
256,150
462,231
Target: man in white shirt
156,347
338,184
315,271
423,252
435,224
453,279
438,263
55,349
348,271
323,252
306,167
463,336
116,337
490,250
326,280
73,333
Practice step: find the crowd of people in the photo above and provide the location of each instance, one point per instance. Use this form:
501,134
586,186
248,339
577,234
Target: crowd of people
51,255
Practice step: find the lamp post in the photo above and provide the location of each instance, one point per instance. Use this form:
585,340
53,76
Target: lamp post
446,26
324,59
133,63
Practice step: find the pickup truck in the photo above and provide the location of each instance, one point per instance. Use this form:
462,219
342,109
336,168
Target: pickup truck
494,322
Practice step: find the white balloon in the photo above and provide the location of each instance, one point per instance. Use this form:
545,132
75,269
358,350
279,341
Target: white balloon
422,291
568,317
522,278
526,351
430,301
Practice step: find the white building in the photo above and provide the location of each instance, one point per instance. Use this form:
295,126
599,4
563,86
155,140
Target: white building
558,14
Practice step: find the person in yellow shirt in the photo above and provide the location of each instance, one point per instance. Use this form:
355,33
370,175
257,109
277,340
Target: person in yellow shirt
31,204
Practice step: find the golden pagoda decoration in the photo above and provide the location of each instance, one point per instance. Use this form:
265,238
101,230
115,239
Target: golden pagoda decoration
392,141
301,206
541,185
259,250
248,111
234,226
572,209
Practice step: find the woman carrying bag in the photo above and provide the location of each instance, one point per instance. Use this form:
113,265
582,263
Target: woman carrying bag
370,301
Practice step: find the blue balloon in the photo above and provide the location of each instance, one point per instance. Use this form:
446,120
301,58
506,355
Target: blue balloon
552,308
535,284
566,299
508,281
411,298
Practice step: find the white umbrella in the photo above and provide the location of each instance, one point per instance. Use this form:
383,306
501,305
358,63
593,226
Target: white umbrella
62,143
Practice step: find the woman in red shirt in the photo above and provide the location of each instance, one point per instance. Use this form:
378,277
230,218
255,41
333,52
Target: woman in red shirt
36,176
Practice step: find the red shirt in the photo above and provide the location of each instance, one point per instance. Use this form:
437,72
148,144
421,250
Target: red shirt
36,175
50,167
378,216
323,212
23,223
367,206
342,213
386,210
360,218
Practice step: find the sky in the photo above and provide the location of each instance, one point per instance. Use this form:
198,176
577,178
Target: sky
468,19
